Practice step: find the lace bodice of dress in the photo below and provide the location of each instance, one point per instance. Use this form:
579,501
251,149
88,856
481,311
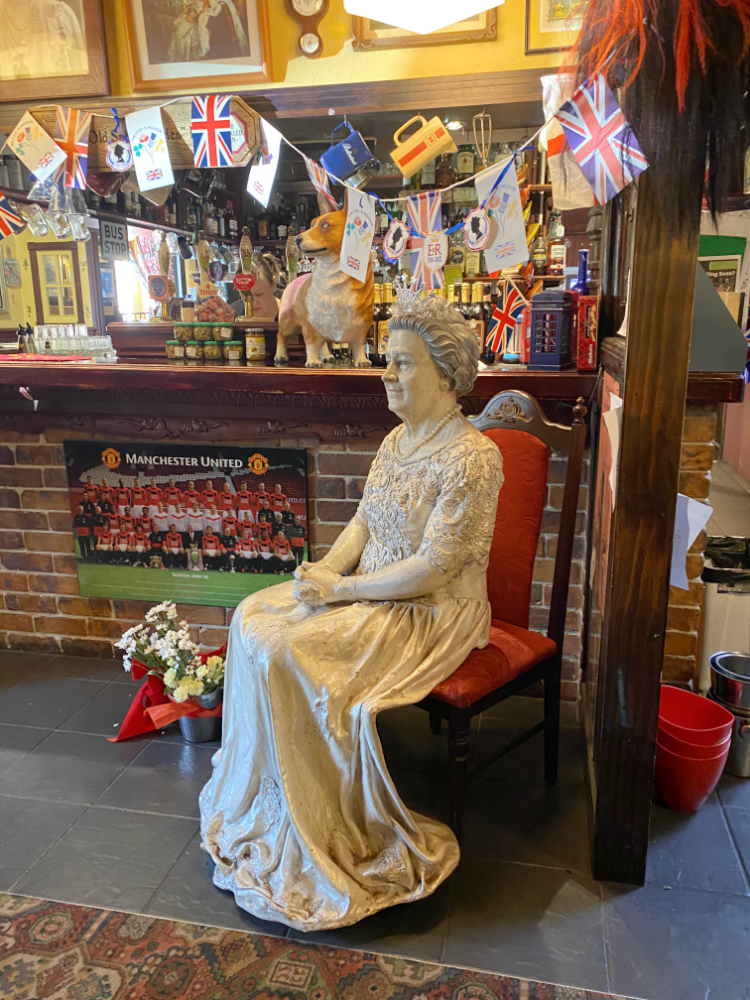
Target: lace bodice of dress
442,506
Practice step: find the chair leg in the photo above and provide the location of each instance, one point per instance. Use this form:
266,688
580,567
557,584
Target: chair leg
436,723
552,721
458,756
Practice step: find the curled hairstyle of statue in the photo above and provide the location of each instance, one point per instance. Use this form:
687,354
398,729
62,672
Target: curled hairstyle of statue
448,337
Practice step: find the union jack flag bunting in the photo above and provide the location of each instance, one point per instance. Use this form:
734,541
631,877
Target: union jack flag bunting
601,139
10,222
507,312
72,129
319,178
423,216
211,127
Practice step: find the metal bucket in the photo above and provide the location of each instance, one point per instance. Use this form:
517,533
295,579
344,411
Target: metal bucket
730,679
738,761
206,729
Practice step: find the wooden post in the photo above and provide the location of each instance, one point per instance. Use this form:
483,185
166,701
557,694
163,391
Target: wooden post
632,645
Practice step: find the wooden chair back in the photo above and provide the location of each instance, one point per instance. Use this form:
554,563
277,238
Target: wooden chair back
515,421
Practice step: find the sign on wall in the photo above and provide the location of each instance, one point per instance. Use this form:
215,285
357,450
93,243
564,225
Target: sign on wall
199,524
114,238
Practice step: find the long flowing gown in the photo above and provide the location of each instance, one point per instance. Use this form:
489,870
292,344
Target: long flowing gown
300,816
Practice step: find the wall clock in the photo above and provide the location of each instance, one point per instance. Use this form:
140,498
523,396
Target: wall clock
308,13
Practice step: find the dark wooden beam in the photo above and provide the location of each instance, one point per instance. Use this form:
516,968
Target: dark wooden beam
632,644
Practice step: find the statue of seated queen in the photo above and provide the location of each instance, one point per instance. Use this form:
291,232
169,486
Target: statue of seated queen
301,816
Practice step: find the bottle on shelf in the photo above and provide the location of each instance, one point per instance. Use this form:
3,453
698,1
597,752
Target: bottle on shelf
539,254
210,225
475,315
263,226
192,213
384,314
465,160
582,281
487,355
232,227
466,299
221,229
292,256
371,345
428,175
171,212
557,248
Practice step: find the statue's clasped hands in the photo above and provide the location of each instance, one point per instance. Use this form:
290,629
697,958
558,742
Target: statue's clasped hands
316,585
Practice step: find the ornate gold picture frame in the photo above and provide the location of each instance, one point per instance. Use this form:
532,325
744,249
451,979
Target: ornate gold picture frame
181,44
370,34
552,25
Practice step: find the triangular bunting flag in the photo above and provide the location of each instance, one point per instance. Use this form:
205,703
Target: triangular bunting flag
10,221
211,127
72,129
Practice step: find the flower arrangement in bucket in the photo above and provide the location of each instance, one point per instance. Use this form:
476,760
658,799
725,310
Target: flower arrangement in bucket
181,682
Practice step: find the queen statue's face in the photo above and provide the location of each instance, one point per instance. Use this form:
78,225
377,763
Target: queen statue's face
412,382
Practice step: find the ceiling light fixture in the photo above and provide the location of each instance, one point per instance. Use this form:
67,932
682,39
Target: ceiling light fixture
453,124
420,16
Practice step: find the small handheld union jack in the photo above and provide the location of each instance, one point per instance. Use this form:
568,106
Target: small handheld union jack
601,139
72,129
211,126
10,221
507,312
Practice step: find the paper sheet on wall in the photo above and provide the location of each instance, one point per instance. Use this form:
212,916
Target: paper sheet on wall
613,422
153,167
262,175
506,245
691,517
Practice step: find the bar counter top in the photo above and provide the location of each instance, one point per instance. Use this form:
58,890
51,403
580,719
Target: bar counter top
255,377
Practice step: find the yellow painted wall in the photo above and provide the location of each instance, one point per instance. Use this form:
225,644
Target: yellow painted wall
339,64
21,300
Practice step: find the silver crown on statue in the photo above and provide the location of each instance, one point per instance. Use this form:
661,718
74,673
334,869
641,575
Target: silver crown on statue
409,301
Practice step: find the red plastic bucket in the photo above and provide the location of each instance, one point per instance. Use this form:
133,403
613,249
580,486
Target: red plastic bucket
685,784
693,719
695,751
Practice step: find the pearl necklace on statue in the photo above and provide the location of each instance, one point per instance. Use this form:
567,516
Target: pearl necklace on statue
404,457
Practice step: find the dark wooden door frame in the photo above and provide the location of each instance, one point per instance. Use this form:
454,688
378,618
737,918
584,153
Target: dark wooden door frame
36,248
632,644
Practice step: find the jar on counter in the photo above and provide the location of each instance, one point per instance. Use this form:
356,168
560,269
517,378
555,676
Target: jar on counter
232,350
212,350
194,349
183,331
255,344
203,331
222,331
187,310
175,349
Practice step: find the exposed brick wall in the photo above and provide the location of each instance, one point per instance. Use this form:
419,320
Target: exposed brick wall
682,645
40,608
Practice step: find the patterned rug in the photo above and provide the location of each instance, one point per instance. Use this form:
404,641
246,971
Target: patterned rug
58,951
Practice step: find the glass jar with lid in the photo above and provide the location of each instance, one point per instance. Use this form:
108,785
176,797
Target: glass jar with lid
175,349
194,349
232,350
212,350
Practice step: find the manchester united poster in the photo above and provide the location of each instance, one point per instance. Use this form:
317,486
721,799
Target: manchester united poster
199,524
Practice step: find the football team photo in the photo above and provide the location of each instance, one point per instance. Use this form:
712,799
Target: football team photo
199,524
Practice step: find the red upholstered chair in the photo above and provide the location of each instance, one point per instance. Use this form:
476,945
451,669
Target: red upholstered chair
515,657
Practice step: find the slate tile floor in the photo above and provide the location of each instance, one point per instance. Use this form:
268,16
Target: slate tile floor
115,825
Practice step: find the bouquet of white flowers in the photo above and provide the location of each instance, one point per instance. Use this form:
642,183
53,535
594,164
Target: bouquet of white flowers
162,646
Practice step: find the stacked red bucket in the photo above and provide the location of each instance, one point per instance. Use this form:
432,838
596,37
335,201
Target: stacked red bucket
692,745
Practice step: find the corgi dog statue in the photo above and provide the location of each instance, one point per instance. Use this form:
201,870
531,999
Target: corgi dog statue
326,304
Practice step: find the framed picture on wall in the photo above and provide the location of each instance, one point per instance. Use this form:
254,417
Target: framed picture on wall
552,25
371,34
201,44
51,50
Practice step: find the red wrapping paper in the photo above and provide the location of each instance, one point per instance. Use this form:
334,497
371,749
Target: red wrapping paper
152,707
